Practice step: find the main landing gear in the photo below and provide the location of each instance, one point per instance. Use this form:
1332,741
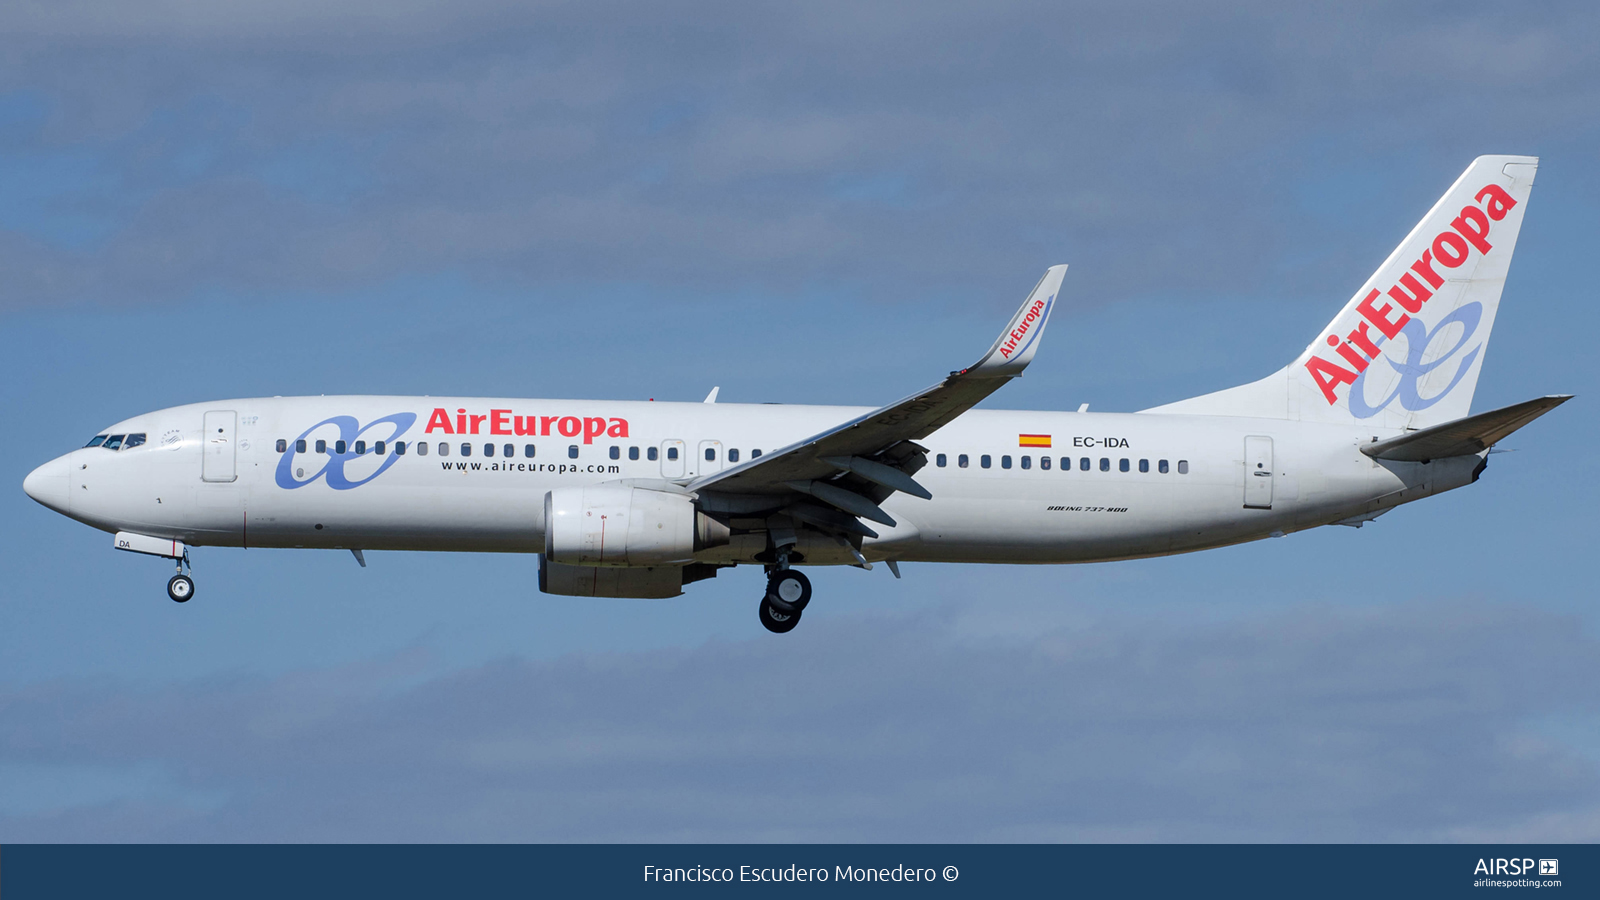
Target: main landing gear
788,592
181,587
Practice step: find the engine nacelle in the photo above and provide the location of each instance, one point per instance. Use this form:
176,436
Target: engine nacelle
616,525
639,582
642,582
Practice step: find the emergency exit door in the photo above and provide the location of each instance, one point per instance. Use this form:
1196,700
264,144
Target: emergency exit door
1258,472
217,446
710,459
673,463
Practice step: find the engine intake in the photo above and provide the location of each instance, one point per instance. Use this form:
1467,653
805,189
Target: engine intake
616,525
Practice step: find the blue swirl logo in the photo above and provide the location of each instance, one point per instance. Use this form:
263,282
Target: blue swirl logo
332,469
1418,337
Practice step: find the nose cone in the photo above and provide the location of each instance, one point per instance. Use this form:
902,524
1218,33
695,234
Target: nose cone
49,484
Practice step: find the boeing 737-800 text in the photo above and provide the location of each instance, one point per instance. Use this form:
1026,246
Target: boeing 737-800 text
639,499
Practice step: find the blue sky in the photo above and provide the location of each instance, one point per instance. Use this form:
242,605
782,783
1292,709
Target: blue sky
801,204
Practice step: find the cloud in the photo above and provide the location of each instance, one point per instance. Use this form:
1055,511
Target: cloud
888,149
1421,722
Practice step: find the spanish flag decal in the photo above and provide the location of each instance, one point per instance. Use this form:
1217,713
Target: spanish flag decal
1033,440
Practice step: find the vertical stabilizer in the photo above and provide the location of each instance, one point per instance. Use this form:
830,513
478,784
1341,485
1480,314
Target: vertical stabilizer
1406,350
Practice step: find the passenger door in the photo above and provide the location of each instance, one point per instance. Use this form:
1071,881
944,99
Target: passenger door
217,446
1258,472
673,463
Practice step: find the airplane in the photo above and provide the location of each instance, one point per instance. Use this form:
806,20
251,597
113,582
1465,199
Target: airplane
641,499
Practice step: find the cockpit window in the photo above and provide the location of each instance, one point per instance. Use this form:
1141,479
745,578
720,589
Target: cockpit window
134,440
113,442
96,441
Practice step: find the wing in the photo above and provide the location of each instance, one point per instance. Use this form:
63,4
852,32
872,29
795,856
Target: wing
855,465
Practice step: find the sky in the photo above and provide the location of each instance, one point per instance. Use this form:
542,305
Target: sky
815,203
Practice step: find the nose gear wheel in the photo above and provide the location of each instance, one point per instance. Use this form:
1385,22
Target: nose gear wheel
180,588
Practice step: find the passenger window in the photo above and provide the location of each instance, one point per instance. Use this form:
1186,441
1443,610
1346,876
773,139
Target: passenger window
399,448
755,454
1083,463
651,453
672,453
95,441
962,460
572,451
1066,464
322,446
733,456
711,454
1162,467
1027,462
1122,464
466,449
985,460
378,448
633,452
1005,462
300,446
941,460
616,452
1105,464
339,447
1044,463
1144,465
444,449
422,448
509,451
361,447
283,445
488,450
1183,467
113,442
527,450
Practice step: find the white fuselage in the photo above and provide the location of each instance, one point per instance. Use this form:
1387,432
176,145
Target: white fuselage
213,475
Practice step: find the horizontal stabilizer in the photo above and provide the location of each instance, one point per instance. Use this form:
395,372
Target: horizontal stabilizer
1463,437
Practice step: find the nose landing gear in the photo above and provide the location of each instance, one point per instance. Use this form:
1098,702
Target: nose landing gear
788,592
181,587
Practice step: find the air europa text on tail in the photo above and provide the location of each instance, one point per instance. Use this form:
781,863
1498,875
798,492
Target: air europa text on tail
1468,231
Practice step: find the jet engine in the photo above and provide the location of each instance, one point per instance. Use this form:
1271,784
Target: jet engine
617,525
639,582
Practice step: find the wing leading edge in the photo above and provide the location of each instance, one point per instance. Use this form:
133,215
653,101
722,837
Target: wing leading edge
873,450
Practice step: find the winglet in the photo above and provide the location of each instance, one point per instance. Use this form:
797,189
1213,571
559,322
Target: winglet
1020,341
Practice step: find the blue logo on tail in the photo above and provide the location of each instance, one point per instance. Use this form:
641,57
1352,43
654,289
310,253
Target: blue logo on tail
1418,337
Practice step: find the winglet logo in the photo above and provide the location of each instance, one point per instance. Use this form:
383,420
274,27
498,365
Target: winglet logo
1025,329
333,469
1451,248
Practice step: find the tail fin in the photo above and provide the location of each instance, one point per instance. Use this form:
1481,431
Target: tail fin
1405,352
